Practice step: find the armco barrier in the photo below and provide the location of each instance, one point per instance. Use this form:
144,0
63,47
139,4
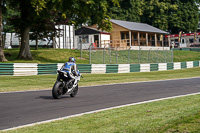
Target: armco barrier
25,69
47,69
134,67
6,69
22,69
84,68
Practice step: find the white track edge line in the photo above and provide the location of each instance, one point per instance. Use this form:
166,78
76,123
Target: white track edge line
95,111
104,85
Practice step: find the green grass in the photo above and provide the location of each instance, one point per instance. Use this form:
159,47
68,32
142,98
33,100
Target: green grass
48,56
62,55
182,56
134,58
37,82
181,115
178,115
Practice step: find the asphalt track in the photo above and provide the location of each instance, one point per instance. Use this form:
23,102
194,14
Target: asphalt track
23,108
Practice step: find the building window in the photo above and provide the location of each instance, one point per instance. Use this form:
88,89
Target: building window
135,36
122,36
191,40
158,39
84,38
182,40
127,36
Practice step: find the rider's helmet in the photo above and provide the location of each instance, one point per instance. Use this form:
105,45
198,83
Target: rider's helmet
72,59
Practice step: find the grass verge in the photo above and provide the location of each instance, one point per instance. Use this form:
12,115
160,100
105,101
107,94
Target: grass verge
21,83
181,115
62,55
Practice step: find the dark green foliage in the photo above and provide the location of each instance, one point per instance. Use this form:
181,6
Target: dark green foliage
129,10
169,15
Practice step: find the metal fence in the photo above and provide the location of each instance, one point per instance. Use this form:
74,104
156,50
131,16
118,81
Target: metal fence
121,55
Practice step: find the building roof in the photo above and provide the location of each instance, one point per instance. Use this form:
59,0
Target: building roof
89,30
134,26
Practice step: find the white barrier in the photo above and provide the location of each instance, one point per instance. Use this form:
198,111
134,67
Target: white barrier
144,67
98,68
189,64
162,66
22,69
123,68
177,65
59,65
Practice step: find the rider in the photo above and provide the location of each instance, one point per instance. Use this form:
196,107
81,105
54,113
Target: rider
71,65
72,70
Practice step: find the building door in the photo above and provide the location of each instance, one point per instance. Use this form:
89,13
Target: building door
96,40
183,43
153,41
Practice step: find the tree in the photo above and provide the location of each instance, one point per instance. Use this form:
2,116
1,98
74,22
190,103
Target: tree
2,56
185,18
129,10
158,13
76,11
168,15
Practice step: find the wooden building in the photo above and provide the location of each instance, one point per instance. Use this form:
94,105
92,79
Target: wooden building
125,33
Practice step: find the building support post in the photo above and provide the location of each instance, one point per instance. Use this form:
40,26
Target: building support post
138,38
168,42
147,39
156,40
130,42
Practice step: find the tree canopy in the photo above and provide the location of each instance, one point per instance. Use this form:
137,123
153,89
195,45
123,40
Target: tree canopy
169,15
77,12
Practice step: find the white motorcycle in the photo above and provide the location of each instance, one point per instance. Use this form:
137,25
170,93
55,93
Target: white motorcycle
67,83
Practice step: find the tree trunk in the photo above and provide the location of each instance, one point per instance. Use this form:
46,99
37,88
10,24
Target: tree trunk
25,48
25,29
36,46
2,56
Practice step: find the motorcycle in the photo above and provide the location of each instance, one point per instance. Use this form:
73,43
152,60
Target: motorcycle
65,84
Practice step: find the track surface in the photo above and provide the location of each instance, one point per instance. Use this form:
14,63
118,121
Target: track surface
22,108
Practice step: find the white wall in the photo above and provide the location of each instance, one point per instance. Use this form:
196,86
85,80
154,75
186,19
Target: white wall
66,41
105,40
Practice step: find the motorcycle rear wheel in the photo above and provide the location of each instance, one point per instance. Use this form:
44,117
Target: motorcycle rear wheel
74,92
57,90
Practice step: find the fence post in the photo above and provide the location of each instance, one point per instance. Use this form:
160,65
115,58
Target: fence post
149,54
139,54
81,46
129,54
165,57
90,52
172,56
110,54
104,54
157,55
116,55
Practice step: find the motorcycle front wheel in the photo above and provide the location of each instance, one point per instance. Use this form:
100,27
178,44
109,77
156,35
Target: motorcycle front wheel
74,92
57,90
